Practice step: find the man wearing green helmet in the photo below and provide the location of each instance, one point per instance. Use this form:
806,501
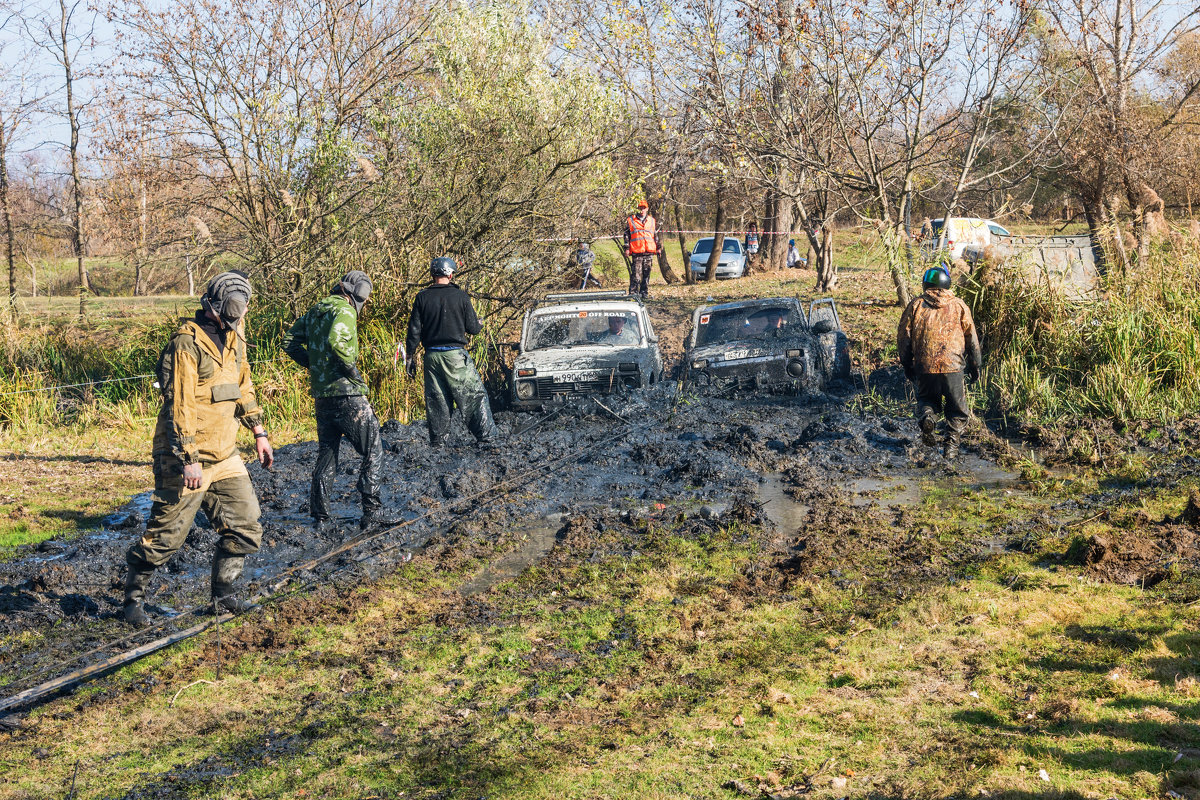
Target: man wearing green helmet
937,344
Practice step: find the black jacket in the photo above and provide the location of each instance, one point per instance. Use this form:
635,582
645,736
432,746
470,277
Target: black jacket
442,316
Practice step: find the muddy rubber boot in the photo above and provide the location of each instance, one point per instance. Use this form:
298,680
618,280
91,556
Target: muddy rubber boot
377,519
950,449
928,431
324,527
136,580
226,569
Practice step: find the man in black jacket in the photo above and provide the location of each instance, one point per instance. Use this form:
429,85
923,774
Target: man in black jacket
442,319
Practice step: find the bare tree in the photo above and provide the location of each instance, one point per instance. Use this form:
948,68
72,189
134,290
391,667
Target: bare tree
19,100
1110,51
65,34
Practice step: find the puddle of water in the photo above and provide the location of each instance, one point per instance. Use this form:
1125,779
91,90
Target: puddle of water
978,473
784,512
995,546
972,472
541,541
887,492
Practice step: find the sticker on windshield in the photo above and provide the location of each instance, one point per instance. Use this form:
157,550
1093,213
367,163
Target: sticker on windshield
561,315
704,319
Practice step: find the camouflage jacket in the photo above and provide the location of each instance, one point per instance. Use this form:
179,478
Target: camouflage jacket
325,340
937,334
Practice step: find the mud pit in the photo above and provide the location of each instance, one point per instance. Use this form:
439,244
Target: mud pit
825,488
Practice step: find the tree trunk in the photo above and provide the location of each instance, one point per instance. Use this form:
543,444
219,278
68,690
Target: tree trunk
767,243
896,266
6,210
138,270
1093,212
783,218
1113,218
710,271
688,276
823,254
76,186
664,266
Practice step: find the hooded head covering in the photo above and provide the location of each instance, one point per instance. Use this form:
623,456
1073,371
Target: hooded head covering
228,296
356,286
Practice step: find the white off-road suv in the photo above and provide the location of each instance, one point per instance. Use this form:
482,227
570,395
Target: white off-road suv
575,344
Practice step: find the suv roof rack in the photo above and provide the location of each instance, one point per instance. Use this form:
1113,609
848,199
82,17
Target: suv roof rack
583,297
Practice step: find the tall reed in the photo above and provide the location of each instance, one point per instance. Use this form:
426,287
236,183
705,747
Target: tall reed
1133,353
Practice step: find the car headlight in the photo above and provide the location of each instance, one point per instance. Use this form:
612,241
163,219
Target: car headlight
700,364
795,368
525,389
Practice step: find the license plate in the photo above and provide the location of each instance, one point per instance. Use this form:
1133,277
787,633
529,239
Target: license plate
577,377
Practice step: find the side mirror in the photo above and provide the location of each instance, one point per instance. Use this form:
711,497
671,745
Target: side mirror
512,345
824,326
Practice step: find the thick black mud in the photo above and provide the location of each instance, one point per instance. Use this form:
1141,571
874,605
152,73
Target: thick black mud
808,466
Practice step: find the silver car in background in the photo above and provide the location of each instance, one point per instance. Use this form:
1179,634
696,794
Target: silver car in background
732,263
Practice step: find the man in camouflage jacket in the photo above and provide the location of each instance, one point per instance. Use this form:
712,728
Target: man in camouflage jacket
207,395
325,342
937,343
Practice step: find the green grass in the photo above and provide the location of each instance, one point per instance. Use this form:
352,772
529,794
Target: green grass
664,675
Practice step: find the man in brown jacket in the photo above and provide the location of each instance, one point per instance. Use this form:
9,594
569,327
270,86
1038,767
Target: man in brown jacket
937,343
207,395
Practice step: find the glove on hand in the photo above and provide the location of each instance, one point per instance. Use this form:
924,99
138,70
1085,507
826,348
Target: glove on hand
910,373
973,373
411,368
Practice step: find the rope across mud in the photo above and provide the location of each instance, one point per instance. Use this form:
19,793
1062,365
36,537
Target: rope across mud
283,584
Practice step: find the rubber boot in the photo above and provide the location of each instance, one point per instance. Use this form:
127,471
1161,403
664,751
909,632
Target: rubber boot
226,569
950,448
136,580
376,519
928,428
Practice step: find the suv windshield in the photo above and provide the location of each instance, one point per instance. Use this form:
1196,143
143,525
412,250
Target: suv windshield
605,328
704,247
753,322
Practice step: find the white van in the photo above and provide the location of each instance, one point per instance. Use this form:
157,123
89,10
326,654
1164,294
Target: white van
964,231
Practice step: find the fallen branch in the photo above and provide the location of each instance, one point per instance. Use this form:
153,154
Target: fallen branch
190,685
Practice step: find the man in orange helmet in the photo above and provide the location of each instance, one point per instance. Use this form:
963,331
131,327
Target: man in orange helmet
642,243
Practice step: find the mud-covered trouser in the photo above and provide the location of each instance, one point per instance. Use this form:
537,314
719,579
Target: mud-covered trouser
640,267
227,498
451,380
350,416
943,393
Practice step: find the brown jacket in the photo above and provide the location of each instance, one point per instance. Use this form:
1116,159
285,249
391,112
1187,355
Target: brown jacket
206,395
937,335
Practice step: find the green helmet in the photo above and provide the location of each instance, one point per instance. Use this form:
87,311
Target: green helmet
936,278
